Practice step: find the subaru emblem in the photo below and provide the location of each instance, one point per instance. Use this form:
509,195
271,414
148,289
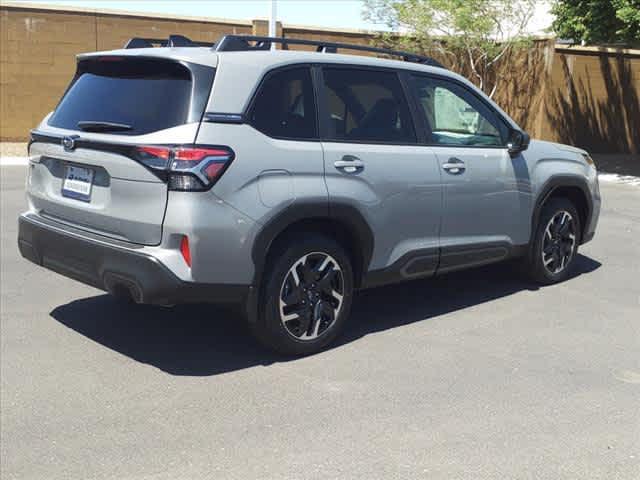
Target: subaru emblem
69,143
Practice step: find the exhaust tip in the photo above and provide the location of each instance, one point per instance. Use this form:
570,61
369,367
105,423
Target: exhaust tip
122,287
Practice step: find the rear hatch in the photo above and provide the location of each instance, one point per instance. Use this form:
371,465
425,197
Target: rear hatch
89,168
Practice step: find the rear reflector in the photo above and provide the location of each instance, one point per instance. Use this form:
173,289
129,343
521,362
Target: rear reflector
108,58
188,168
184,249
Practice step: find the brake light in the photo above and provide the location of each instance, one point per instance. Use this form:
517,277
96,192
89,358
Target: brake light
154,157
159,152
187,168
184,249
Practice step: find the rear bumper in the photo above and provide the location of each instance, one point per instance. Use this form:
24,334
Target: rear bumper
115,268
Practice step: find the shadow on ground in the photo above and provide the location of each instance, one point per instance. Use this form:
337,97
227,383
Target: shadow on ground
207,340
621,164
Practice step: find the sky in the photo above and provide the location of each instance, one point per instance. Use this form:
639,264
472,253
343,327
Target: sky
322,13
326,13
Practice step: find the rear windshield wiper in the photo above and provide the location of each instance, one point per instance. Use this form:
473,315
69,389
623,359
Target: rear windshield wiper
91,126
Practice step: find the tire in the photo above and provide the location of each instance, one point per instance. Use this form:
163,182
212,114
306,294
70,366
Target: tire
306,296
555,243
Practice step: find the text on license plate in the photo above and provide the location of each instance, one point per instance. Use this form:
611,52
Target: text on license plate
77,183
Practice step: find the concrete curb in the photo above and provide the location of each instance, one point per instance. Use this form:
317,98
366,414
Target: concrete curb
622,179
14,161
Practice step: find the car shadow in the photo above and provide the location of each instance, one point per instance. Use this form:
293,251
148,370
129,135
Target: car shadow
202,340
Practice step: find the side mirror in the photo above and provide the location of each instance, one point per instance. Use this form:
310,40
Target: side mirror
518,142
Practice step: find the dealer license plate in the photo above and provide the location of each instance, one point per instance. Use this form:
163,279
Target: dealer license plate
77,183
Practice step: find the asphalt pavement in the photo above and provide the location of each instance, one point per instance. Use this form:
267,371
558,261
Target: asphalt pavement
474,375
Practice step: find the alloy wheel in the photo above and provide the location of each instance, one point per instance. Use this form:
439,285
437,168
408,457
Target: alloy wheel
558,245
311,296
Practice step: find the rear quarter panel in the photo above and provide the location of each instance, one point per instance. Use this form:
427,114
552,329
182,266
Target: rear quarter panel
267,175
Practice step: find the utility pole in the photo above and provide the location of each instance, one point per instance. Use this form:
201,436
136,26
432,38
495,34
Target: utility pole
272,22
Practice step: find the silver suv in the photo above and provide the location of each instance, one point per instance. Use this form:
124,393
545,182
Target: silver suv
284,181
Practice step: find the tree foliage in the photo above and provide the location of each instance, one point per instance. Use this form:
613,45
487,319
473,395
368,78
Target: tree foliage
598,21
469,36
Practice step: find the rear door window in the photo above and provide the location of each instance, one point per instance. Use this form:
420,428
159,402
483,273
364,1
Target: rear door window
146,95
285,107
367,106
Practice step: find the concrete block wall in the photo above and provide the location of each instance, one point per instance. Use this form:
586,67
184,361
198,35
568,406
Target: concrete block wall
589,98
38,47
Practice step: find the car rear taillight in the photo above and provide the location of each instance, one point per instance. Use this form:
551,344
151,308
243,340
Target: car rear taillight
187,168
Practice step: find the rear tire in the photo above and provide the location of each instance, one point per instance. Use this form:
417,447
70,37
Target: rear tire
306,296
555,243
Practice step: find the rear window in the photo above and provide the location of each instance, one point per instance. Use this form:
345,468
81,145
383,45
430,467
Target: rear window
145,94
367,106
285,106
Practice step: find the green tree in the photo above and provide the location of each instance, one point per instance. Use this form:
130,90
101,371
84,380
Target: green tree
598,21
469,36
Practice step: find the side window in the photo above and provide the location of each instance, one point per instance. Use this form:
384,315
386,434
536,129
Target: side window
285,106
456,117
367,106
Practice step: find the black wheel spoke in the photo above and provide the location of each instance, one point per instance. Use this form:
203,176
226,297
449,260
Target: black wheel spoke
318,269
326,280
305,322
328,312
305,273
293,296
290,310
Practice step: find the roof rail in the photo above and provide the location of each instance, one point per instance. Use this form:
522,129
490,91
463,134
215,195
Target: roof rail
240,43
172,41
246,43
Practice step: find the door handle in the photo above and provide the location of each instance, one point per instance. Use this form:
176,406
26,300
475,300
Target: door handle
349,163
454,166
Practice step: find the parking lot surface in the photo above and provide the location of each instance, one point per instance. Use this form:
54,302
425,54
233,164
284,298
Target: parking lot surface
473,375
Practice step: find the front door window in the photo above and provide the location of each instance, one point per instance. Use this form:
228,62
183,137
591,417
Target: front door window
457,117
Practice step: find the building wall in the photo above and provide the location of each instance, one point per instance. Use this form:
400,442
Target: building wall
38,48
586,97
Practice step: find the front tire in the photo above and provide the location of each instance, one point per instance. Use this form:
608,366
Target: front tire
555,243
307,295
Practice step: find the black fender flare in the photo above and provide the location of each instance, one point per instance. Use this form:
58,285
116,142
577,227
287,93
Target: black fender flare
346,215
553,183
